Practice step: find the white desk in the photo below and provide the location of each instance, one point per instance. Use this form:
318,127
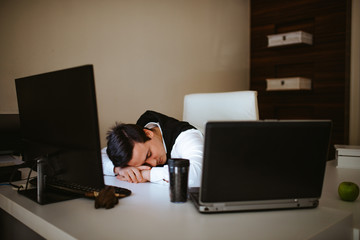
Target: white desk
148,214
330,198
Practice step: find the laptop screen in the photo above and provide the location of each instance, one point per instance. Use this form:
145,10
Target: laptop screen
264,160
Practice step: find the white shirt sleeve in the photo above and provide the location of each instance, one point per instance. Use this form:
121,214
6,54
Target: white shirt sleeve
189,145
108,166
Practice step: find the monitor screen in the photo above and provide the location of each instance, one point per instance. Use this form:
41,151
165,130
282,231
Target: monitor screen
58,119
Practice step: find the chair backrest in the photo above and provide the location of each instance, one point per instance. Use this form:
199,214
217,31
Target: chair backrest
200,108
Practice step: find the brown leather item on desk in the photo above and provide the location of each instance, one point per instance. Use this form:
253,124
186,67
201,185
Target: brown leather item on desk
106,198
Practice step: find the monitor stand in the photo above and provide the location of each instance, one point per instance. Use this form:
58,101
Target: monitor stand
43,195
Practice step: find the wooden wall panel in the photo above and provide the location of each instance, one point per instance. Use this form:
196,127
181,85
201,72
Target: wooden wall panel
326,61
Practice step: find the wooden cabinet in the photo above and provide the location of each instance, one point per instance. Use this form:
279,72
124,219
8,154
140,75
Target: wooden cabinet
326,61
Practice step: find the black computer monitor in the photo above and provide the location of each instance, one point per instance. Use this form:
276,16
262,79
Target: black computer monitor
59,125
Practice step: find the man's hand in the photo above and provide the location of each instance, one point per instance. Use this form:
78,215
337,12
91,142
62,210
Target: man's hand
133,174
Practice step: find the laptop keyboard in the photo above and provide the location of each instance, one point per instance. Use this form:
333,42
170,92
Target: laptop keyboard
196,195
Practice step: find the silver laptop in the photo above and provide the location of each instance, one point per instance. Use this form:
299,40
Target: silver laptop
262,165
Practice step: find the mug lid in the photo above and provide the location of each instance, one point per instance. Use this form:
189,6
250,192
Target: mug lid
178,162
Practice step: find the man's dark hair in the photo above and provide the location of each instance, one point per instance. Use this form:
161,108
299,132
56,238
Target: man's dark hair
120,142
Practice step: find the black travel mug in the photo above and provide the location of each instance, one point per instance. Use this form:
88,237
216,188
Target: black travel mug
178,176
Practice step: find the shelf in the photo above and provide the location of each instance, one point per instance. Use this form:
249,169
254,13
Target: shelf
283,84
289,38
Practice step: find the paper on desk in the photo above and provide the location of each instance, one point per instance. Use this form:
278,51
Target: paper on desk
9,160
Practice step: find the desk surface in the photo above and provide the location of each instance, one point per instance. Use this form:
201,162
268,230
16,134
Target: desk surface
330,198
149,214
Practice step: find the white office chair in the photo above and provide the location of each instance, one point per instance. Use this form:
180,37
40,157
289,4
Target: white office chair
200,108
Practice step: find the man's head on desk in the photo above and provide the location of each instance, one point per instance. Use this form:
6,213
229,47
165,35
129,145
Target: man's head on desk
131,147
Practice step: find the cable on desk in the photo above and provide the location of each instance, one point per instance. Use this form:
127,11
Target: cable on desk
12,176
19,187
28,177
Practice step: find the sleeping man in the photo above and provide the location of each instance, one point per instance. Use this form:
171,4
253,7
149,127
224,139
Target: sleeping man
139,152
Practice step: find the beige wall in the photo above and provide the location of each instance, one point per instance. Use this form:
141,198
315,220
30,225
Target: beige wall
147,54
